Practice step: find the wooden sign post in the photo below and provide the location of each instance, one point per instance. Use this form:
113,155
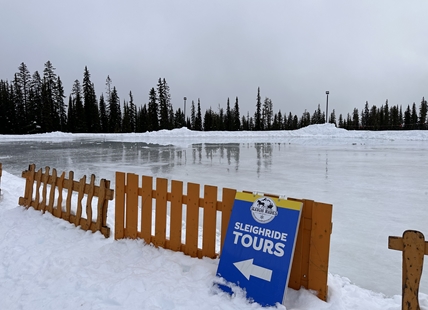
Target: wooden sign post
414,247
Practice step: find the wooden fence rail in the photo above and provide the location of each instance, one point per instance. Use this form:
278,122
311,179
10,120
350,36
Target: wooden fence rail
136,204
36,195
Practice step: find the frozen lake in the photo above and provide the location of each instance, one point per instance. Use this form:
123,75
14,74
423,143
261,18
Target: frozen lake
378,187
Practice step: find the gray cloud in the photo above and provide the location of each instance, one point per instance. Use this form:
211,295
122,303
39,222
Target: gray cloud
358,50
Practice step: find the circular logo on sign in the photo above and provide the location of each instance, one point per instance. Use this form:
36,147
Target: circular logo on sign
264,210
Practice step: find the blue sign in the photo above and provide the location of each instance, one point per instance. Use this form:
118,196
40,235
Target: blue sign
259,246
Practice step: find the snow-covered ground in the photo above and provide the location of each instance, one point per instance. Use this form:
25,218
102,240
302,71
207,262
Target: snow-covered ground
375,180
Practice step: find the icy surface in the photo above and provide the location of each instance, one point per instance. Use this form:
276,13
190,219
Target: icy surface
376,182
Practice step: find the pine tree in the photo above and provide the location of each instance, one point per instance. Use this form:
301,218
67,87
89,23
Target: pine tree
423,114
355,119
192,116
228,117
153,119
267,114
236,116
50,117
414,117
60,105
23,80
132,113
71,115
115,115
142,119
198,119
365,116
20,121
163,105
90,104
34,110
103,116
78,110
333,117
258,113
407,119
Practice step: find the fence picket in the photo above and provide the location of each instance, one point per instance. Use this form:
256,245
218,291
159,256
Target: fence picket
105,189
120,206
176,215
60,184
228,197
131,205
45,178
146,208
100,211
91,189
192,219
210,221
69,187
161,206
38,183
52,191
79,200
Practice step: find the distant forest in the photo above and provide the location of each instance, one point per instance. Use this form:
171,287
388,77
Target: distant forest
37,104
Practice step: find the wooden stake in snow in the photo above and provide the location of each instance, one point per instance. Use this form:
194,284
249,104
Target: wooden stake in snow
414,247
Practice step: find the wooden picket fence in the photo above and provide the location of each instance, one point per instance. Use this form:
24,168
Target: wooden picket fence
135,205
36,195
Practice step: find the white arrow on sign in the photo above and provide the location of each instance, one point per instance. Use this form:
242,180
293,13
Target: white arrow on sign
247,268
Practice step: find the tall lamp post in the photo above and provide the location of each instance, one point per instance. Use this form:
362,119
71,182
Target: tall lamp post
326,107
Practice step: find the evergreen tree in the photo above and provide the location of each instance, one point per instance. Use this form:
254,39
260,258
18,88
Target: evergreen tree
341,121
423,114
317,117
126,121
153,119
208,120
103,115
163,105
78,112
236,116
115,115
365,116
258,113
355,119
20,122
386,116
90,104
198,119
50,117
333,117
267,114
142,119
414,117
395,118
71,115
61,107
34,110
192,116
290,121
23,81
407,119
132,113
228,117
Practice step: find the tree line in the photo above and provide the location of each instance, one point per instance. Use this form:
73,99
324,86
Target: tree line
36,104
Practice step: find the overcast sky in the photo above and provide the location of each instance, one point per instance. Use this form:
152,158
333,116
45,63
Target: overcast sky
213,50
